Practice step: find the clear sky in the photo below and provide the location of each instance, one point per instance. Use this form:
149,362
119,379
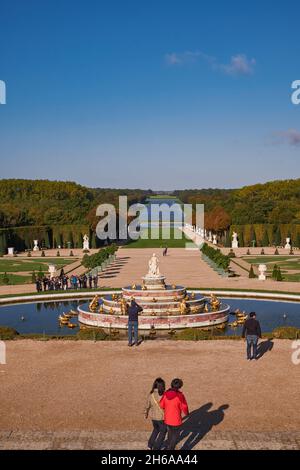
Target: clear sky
154,94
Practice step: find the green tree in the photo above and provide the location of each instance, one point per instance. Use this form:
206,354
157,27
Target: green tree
241,238
298,240
70,240
33,277
278,237
5,278
265,239
253,241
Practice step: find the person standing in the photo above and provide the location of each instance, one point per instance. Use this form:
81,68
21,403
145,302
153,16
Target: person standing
174,405
156,414
133,321
252,332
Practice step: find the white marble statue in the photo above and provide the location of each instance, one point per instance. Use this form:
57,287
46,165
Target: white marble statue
288,245
215,242
262,269
234,243
153,266
86,242
210,237
36,245
52,270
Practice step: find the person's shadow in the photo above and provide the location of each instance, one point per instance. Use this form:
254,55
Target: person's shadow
198,423
263,348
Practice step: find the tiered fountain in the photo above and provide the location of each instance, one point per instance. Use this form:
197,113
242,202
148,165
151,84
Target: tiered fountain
164,306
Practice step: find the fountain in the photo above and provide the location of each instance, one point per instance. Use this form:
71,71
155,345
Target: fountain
164,306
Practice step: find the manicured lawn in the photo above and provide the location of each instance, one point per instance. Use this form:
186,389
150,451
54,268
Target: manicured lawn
286,264
15,279
14,265
160,239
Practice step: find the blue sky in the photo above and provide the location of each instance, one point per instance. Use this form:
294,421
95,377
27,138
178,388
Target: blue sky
160,94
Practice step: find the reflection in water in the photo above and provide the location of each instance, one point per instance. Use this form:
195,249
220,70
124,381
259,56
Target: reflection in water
42,317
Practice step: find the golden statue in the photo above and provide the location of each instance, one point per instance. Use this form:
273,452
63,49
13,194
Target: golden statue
184,309
94,304
144,287
133,286
193,295
111,311
173,286
206,309
124,306
101,310
214,302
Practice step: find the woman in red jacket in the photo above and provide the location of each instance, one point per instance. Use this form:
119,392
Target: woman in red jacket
174,405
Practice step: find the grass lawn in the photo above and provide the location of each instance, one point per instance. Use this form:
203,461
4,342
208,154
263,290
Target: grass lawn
160,241
14,265
286,264
15,279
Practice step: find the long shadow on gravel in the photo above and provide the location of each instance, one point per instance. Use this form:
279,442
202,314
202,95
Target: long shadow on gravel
199,423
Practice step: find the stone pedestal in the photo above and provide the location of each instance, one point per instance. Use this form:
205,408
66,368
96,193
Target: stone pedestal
262,269
288,245
154,283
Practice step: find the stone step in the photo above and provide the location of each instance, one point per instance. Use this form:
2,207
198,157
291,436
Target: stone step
137,440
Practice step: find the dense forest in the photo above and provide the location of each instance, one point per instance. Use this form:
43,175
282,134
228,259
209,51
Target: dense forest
52,203
43,202
276,202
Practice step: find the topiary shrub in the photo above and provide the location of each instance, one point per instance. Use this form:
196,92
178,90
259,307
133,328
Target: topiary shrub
7,333
94,334
279,275
58,253
231,254
274,272
276,252
262,252
43,253
33,277
71,253
286,332
251,273
29,254
248,252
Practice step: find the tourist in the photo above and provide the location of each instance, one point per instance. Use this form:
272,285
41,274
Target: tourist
90,281
95,280
133,321
156,414
38,285
174,404
252,332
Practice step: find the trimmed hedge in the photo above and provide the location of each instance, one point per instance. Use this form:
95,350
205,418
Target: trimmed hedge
7,333
97,259
222,261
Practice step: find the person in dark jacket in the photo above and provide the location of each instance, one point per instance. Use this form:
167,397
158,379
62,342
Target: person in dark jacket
133,321
174,405
252,332
156,413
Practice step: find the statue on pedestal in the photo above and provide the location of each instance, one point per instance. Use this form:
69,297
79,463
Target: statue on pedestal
153,266
86,242
288,245
234,243
94,304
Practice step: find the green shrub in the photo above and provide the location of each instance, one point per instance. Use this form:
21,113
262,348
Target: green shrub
279,275
286,332
94,334
192,334
43,253
251,273
5,279
29,254
57,253
98,258
231,254
7,333
33,277
71,253
276,252
274,272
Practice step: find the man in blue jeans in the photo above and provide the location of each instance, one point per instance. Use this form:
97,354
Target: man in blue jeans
133,321
252,332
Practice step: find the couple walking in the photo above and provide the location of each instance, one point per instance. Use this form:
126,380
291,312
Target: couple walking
165,408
